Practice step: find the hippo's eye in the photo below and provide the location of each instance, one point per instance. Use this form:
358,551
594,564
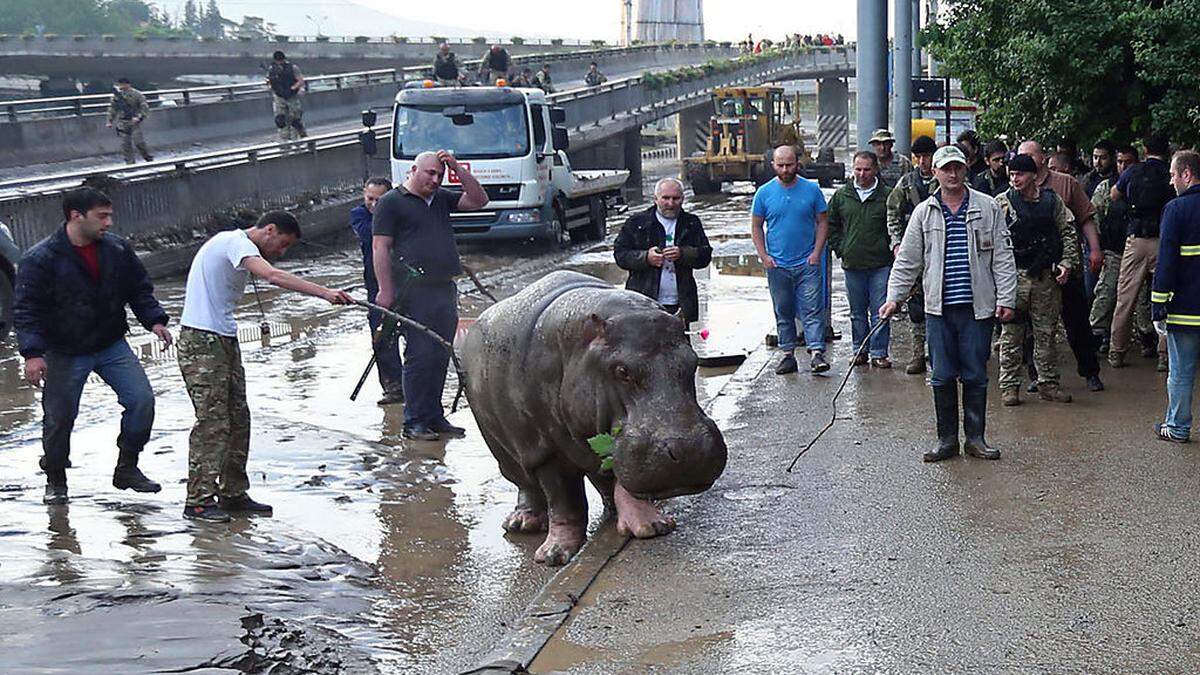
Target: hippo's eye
622,373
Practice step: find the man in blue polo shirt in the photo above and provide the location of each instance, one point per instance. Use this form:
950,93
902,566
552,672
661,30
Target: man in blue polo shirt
793,210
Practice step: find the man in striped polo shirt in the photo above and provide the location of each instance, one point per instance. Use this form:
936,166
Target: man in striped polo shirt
958,241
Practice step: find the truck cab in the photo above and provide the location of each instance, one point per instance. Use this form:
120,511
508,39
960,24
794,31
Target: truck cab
512,140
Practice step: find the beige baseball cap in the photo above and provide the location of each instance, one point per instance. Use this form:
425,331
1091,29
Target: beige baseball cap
948,154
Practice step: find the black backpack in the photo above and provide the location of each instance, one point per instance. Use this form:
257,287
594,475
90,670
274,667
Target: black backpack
1149,190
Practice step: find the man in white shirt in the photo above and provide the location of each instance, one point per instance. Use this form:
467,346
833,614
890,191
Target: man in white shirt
211,361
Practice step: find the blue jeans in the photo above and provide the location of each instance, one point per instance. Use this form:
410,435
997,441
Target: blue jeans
65,377
959,346
796,292
867,291
1183,350
434,305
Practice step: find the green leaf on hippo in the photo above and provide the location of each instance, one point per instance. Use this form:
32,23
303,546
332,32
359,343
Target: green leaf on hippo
602,444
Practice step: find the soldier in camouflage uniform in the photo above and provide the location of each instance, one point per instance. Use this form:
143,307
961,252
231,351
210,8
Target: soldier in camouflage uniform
287,83
891,165
1113,219
126,112
912,189
211,361
1046,249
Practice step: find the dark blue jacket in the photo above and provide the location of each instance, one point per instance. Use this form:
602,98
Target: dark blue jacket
60,308
1175,295
360,222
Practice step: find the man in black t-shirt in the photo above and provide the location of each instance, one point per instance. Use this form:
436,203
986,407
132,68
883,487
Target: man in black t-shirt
415,263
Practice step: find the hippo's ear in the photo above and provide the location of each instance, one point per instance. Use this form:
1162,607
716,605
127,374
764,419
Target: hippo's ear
594,328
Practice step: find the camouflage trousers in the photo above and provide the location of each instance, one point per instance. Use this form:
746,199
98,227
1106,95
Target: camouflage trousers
131,138
1039,299
220,441
1106,298
288,112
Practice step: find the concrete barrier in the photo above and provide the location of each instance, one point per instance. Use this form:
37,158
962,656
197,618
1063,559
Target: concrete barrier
39,141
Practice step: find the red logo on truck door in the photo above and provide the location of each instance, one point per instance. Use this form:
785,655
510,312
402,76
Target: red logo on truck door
452,176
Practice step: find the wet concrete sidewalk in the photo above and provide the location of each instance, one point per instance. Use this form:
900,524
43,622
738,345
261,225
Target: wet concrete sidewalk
1076,552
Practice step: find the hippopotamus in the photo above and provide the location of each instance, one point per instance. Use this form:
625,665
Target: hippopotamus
571,357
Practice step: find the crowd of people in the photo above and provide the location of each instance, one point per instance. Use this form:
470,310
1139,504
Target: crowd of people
497,65
792,41
985,248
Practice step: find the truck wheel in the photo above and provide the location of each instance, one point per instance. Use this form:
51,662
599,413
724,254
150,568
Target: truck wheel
702,184
559,236
6,303
597,226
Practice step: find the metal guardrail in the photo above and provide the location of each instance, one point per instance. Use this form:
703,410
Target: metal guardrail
169,200
582,105
17,110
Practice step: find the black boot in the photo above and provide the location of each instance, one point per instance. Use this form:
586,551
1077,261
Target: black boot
128,476
945,405
974,418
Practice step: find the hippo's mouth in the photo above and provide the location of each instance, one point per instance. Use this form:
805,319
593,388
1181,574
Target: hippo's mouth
672,492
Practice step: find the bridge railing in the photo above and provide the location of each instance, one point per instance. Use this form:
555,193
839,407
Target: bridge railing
183,194
17,110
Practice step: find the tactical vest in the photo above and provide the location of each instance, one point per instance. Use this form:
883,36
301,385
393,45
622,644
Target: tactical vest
916,192
282,77
445,69
1149,191
1037,245
125,107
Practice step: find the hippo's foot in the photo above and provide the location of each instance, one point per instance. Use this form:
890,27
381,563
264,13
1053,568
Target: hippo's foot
526,520
562,543
638,517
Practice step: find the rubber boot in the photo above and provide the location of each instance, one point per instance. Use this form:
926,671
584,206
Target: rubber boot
128,476
916,364
945,406
974,418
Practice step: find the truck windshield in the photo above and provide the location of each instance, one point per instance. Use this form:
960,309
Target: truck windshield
473,132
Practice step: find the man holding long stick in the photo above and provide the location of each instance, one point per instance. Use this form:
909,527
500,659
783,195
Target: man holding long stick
412,225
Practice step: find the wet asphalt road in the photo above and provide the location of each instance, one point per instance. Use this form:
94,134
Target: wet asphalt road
383,555
1076,552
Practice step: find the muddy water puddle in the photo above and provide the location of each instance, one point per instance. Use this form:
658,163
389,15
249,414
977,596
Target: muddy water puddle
383,554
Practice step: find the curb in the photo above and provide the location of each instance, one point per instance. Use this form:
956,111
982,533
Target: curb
553,604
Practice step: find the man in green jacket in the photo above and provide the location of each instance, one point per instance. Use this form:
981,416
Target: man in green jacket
858,234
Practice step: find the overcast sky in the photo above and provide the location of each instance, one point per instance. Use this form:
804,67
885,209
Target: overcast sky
723,19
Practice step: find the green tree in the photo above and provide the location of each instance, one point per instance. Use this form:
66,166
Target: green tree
191,18
212,25
1082,68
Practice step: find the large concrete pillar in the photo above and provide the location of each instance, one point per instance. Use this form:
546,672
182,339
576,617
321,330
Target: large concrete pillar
833,114
902,76
916,29
870,73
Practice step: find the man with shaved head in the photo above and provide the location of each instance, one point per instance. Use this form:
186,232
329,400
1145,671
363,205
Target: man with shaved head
415,263
1075,308
793,212
660,247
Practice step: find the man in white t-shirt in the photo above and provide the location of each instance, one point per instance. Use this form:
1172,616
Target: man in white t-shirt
660,247
211,361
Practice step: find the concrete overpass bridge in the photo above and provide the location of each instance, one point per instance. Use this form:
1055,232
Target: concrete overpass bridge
161,59
38,131
168,206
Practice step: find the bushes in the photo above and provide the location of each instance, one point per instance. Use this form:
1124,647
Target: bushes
518,41
479,40
557,42
598,43
361,39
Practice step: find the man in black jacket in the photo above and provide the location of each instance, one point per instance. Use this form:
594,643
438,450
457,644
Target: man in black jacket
69,314
660,247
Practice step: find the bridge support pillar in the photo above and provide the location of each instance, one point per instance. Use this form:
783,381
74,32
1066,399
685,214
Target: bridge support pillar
631,150
871,70
902,77
833,114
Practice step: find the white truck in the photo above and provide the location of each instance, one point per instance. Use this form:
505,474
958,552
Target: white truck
513,141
